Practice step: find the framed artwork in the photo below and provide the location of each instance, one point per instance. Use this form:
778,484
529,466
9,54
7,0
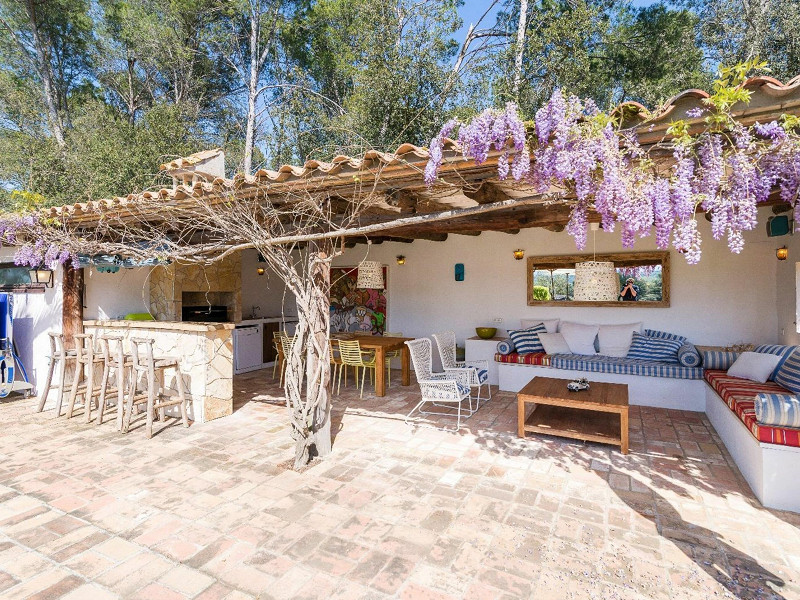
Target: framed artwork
353,309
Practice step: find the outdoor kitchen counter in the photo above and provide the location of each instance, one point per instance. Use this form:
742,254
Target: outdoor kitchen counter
205,351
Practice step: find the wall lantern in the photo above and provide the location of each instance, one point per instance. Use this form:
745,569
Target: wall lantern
519,254
401,260
260,270
41,275
782,253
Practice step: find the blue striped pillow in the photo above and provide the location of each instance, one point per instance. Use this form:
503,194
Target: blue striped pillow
527,340
505,347
645,347
664,335
777,410
719,359
788,372
777,349
688,355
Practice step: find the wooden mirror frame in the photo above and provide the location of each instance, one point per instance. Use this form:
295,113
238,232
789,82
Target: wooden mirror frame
620,259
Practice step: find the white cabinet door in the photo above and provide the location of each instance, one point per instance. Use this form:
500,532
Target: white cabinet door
247,348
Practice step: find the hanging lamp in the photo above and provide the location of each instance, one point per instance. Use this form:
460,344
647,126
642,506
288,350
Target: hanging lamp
596,281
370,274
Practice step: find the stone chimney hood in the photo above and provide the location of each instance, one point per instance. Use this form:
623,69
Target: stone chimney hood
207,165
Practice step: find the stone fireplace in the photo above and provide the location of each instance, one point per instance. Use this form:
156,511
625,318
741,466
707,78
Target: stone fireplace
176,285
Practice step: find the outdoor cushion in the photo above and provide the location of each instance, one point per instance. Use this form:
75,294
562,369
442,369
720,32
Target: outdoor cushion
625,366
664,335
505,347
440,394
645,347
778,349
579,337
483,375
615,340
778,410
755,366
539,359
788,372
527,340
719,359
739,395
550,324
554,343
688,355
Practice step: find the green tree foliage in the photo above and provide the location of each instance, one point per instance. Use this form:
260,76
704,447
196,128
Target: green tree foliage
95,94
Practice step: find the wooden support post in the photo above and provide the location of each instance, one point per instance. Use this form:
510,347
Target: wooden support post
72,304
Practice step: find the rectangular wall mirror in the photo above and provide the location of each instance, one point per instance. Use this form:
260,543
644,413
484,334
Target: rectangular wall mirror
643,279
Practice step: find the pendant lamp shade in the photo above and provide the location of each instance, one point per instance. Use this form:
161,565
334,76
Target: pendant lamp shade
596,281
370,276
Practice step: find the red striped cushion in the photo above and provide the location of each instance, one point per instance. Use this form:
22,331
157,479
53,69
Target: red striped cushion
534,358
739,394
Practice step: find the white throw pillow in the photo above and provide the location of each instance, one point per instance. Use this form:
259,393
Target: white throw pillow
615,340
554,343
579,336
755,366
550,324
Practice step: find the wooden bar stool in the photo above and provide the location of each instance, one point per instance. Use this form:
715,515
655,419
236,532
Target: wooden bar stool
59,357
113,359
157,397
87,360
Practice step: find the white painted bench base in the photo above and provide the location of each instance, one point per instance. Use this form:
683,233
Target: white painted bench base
771,470
660,392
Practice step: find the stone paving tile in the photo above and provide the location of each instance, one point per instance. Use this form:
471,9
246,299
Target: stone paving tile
396,511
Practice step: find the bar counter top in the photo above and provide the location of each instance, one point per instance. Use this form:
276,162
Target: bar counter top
170,325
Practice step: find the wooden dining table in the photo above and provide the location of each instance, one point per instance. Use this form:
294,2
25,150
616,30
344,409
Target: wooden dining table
381,345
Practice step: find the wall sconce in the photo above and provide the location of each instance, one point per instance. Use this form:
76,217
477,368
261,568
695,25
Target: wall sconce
260,270
782,253
41,275
519,254
401,260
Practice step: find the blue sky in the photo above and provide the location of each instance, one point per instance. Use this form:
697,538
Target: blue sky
473,9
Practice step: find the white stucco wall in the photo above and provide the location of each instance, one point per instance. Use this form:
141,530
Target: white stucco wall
113,295
786,285
266,291
724,299
34,316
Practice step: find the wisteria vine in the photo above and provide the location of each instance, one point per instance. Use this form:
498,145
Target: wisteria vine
725,171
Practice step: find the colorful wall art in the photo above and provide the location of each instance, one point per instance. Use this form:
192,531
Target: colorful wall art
353,309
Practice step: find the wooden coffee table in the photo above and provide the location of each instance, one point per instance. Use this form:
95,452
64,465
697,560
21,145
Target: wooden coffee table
589,415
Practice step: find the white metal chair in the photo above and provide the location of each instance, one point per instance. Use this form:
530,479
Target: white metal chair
446,342
440,389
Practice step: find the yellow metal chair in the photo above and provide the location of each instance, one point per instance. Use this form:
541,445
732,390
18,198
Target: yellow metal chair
277,366
352,356
390,355
336,364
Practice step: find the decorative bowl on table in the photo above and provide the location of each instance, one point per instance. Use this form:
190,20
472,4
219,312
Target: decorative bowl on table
486,333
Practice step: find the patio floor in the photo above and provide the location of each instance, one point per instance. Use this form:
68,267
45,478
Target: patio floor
412,512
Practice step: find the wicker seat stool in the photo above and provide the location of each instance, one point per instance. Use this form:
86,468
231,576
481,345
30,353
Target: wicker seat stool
155,395
117,360
87,361
59,357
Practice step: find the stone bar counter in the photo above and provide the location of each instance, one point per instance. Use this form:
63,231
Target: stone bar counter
205,351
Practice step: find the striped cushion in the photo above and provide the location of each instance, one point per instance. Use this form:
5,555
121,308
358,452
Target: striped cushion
777,410
739,395
527,340
778,349
688,355
505,347
788,372
664,335
538,358
483,375
625,366
719,359
645,347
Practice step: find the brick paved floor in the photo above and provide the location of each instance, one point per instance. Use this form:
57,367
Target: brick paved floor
396,511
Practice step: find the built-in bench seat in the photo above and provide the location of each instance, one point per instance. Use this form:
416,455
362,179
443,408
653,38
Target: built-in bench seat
739,394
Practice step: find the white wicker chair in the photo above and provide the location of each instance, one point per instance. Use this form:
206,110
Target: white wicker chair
446,342
440,389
